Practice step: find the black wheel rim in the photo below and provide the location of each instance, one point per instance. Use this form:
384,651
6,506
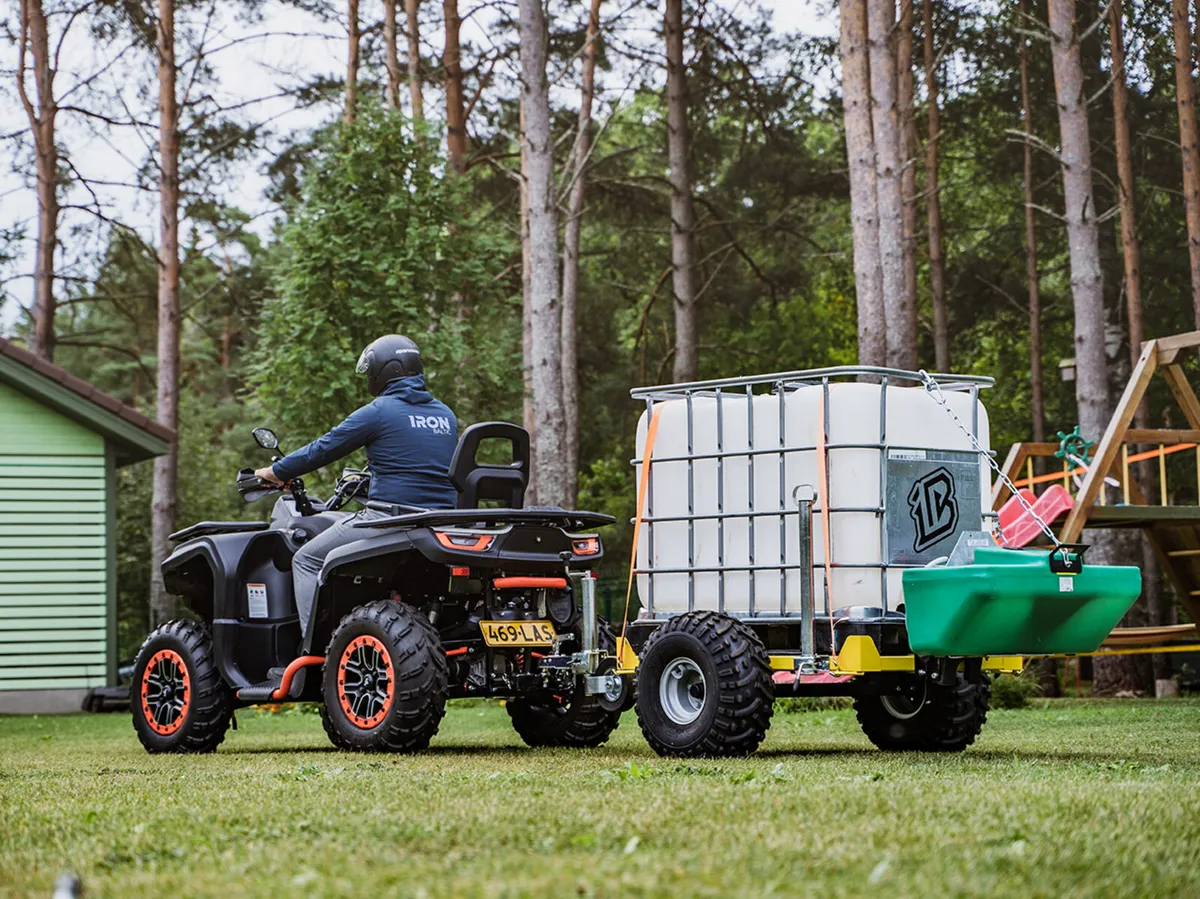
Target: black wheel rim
365,681
166,692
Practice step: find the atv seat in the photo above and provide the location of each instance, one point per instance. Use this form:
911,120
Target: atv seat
477,481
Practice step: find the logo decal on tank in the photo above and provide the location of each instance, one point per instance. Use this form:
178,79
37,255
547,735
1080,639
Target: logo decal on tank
933,507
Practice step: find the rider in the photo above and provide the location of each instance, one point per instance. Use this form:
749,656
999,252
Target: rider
410,438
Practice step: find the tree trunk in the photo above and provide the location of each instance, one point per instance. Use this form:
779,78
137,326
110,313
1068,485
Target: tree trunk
570,276
1083,239
527,326
162,516
414,59
933,202
860,156
1185,99
545,329
352,63
1087,282
885,119
683,216
391,54
456,117
35,34
1153,594
909,145
1130,250
1037,406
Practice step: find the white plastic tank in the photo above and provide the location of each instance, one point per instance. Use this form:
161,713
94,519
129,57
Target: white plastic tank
748,495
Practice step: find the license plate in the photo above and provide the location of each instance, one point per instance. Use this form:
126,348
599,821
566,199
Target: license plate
517,633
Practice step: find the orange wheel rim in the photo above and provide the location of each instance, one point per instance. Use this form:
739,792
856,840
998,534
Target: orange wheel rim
365,682
166,692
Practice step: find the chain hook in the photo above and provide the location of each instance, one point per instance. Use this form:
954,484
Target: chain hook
935,390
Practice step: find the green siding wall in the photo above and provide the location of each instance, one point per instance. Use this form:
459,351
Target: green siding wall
54,630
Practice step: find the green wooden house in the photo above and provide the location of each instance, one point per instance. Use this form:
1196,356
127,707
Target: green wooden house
61,442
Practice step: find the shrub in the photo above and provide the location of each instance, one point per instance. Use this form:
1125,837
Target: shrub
1011,691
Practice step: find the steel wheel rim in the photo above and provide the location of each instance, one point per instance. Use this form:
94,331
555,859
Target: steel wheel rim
908,703
682,690
166,691
366,682
614,694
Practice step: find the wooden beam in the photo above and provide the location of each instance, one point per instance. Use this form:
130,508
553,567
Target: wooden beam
1162,435
1110,443
1169,347
1041,449
1137,636
1170,567
1184,395
1017,454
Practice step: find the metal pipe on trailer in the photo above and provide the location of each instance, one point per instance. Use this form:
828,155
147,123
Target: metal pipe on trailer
805,495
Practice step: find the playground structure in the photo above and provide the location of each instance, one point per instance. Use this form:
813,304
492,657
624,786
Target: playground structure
823,533
1107,493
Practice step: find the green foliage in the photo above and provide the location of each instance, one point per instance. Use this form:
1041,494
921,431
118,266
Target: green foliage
382,241
1013,691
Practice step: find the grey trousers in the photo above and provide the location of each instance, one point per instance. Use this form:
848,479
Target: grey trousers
309,559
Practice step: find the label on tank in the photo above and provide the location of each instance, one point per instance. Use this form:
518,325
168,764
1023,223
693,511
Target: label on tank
256,594
931,500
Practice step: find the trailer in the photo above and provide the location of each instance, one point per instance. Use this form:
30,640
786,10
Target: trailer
828,533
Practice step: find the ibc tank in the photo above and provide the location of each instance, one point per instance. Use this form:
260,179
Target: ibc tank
747,453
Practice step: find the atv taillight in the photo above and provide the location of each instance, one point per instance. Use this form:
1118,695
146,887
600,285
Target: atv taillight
460,572
475,543
588,546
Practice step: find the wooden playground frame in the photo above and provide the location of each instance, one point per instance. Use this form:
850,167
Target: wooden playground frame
1173,531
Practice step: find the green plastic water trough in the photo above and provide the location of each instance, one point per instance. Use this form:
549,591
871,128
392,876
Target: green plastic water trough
1009,602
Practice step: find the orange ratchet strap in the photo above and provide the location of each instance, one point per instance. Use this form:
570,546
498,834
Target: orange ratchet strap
643,485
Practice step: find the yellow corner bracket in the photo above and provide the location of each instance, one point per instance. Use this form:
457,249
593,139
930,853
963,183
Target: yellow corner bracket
860,656
627,660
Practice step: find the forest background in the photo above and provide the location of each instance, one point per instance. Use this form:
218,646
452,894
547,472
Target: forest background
562,202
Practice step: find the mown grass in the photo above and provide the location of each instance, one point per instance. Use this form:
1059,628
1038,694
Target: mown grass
1063,799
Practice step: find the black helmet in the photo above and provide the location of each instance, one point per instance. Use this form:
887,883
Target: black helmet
388,359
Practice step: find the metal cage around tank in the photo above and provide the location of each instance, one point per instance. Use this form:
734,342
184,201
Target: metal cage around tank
777,384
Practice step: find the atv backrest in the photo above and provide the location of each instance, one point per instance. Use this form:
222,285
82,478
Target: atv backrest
476,481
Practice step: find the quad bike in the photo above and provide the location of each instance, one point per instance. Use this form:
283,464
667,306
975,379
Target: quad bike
429,605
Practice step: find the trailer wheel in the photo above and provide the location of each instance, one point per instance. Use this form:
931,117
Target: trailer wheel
923,716
704,687
384,680
178,699
579,721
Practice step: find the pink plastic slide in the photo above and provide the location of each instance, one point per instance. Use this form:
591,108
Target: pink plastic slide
1018,527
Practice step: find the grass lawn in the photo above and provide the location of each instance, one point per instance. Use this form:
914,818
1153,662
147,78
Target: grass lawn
1066,799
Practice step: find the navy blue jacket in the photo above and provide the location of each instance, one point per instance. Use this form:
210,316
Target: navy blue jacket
410,438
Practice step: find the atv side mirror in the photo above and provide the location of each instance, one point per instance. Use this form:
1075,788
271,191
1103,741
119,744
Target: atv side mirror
266,438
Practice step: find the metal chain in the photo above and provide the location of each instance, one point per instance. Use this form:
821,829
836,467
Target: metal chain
935,391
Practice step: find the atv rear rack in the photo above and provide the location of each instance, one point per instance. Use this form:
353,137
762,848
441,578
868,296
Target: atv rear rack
439,517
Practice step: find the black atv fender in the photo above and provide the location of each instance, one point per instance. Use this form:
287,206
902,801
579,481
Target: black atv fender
204,571
372,557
